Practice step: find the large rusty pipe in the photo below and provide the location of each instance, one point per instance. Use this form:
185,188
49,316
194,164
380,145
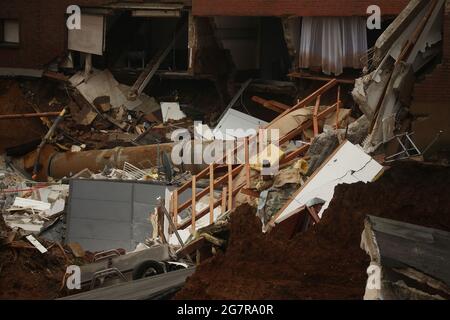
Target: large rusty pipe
65,164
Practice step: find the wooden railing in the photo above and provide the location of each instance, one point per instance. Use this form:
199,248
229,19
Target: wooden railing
226,181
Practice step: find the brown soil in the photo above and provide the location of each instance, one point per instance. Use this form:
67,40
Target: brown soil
18,131
326,262
28,274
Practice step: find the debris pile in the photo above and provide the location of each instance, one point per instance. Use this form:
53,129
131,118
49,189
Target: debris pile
326,262
294,186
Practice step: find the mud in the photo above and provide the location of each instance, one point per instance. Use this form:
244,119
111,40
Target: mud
18,131
28,274
326,262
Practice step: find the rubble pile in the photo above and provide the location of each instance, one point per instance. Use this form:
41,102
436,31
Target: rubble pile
326,262
176,153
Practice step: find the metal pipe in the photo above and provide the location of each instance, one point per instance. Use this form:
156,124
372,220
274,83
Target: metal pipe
68,163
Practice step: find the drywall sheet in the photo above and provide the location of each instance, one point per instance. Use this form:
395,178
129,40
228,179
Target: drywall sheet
349,164
171,111
235,124
110,214
90,37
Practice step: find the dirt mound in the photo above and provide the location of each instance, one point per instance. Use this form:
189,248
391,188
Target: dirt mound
28,274
17,131
326,262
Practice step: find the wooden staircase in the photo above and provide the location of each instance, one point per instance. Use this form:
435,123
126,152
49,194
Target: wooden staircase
226,182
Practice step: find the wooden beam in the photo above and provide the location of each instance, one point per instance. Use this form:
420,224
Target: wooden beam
211,193
230,185
327,112
250,192
271,104
314,95
194,213
175,207
338,107
29,115
305,125
315,120
294,154
206,210
205,191
313,214
200,175
224,200
306,100
247,162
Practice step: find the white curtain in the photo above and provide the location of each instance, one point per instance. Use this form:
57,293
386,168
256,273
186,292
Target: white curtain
333,43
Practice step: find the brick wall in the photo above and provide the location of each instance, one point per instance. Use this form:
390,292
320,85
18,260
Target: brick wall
294,7
43,33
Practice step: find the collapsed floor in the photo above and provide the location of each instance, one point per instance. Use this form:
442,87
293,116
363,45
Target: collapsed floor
326,262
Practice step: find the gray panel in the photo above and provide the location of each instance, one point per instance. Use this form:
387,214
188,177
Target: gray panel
141,231
100,229
110,214
102,210
141,212
148,193
102,190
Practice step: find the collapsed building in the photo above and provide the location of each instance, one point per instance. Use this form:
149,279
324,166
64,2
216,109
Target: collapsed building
89,129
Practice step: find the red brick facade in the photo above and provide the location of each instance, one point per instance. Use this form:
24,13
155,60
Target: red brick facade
294,7
42,31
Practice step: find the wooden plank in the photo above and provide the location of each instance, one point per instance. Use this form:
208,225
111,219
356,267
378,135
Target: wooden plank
338,107
206,210
205,191
194,213
327,112
305,125
271,104
314,95
29,115
211,193
294,154
286,138
402,244
230,185
247,162
306,100
191,247
250,192
315,120
224,200
312,212
175,207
